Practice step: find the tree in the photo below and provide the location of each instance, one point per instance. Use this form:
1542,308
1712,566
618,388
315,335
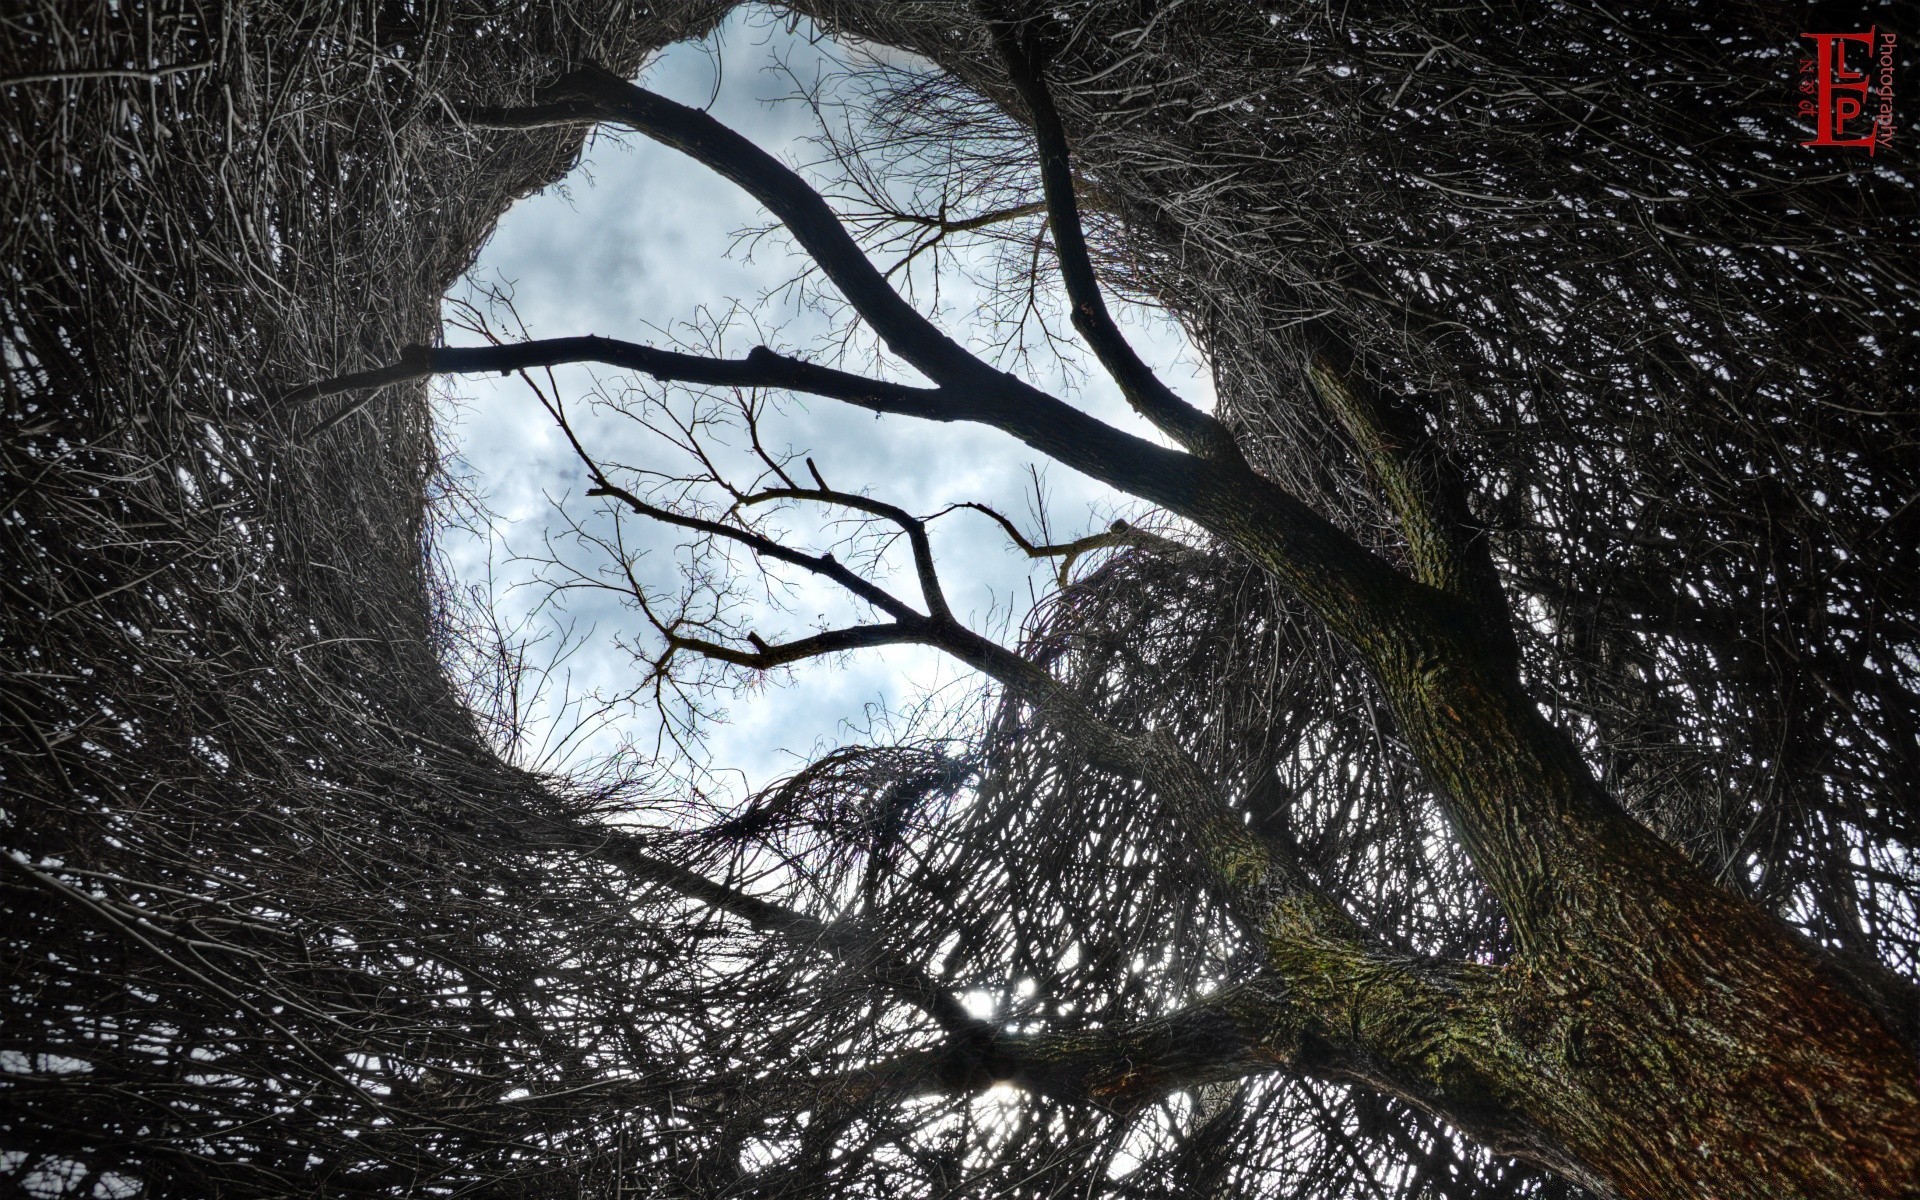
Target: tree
1607,1009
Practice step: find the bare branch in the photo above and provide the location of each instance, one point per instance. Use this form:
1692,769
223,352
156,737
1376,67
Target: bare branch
801,209
1347,583
1197,431
943,225
1423,492
1120,533
1388,1024
912,526
820,564
760,368
765,656
844,940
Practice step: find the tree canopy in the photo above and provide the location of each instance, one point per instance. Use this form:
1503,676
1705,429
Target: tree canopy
1486,770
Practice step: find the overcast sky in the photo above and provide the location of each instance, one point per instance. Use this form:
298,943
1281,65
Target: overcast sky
637,240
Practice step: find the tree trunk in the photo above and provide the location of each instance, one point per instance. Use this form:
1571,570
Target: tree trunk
1673,1038
1687,1044
1654,1036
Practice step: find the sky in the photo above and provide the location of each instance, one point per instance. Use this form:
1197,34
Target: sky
634,244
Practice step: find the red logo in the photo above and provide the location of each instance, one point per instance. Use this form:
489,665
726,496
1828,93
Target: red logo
1849,82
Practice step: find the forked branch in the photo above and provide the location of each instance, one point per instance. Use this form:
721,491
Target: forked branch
1422,1034
1120,533
1341,578
1425,495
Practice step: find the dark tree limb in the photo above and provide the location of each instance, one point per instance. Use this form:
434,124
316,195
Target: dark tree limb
607,97
824,565
1196,431
1445,546
766,656
1322,561
1330,569
762,368
1398,1027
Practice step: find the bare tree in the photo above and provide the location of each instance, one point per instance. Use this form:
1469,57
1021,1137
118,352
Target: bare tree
1362,801
1651,1033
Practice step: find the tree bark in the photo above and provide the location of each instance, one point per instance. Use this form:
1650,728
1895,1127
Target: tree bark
1671,1036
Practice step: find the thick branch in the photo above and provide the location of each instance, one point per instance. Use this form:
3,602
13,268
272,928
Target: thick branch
912,526
1191,428
1432,1038
1425,495
802,210
765,656
1329,568
1248,1029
